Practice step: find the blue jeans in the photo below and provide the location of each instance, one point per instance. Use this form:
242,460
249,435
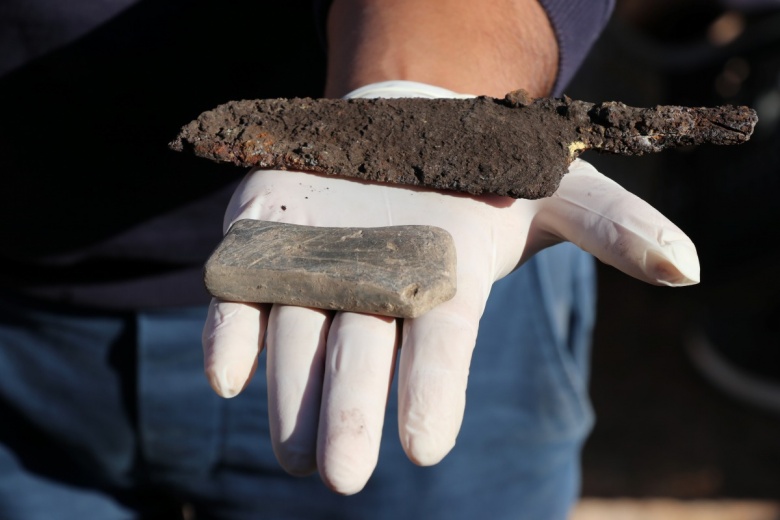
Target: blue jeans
108,416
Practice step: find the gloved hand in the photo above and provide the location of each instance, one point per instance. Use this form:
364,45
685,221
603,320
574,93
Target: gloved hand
329,373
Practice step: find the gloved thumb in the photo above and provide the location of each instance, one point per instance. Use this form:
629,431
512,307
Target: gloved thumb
618,228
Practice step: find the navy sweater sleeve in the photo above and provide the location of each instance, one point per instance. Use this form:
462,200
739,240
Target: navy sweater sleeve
577,25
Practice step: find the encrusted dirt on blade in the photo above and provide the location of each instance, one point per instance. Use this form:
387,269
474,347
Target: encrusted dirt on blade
511,146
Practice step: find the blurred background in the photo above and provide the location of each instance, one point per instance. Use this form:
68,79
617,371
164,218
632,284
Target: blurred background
686,382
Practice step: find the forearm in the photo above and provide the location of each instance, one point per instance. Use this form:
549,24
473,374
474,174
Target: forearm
487,47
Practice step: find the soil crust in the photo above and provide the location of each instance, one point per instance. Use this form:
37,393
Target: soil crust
512,146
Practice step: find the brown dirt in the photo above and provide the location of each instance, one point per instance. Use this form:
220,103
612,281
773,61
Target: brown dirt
483,145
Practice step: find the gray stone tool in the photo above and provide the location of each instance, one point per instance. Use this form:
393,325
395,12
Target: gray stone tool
400,271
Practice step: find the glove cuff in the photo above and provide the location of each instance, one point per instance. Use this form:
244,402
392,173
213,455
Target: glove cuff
401,89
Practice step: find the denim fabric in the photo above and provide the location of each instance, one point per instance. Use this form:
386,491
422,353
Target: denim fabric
108,416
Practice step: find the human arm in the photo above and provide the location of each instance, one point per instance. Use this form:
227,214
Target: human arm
488,48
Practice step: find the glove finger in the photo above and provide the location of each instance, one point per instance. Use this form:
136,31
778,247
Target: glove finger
358,372
296,357
618,228
232,340
433,375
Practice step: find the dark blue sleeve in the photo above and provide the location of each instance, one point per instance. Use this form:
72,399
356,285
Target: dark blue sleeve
577,25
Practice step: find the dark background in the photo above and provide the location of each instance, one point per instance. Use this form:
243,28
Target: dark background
663,430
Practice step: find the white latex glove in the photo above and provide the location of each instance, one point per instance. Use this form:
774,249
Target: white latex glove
329,373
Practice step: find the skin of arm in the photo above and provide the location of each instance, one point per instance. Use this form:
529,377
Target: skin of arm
488,47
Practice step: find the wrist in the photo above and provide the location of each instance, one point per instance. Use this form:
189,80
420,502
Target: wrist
487,48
